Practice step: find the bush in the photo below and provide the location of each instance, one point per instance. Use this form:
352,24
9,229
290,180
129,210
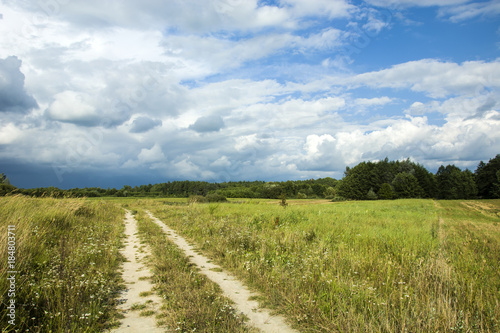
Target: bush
215,198
301,196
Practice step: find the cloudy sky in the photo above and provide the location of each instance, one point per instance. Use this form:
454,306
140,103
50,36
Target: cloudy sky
115,92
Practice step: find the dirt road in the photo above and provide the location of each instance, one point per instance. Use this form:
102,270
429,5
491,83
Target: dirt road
234,289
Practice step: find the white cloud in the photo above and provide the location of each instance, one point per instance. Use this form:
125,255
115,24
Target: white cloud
73,107
9,134
435,78
471,10
377,101
155,154
234,88
330,8
412,137
208,124
418,3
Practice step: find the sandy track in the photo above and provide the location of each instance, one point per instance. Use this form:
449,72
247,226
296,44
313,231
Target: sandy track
234,289
133,270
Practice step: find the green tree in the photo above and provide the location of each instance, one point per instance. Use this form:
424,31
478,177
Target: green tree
386,192
497,185
454,183
426,180
356,182
371,195
406,186
486,177
5,186
330,192
4,179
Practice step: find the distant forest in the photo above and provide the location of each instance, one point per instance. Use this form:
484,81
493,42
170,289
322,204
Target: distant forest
366,181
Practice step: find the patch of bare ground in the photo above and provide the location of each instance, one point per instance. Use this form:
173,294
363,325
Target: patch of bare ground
139,302
232,288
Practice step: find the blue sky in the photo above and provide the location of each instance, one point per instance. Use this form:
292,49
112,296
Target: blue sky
97,93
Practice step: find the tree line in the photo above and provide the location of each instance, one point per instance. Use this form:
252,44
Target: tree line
366,181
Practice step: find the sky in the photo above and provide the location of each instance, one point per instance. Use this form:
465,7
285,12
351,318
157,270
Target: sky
123,92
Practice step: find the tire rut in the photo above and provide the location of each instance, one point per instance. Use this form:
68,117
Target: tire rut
135,274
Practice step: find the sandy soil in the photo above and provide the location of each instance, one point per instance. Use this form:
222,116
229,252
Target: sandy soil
133,270
234,289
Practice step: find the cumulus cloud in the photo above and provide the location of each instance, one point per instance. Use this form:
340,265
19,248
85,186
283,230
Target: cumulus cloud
155,154
13,95
412,137
250,88
208,124
73,107
9,133
144,124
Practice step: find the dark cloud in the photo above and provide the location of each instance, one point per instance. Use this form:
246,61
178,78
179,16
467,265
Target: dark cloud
13,96
144,124
208,124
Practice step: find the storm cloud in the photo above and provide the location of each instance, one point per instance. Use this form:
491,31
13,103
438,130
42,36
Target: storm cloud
13,96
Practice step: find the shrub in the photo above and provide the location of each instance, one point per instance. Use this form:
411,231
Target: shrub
301,196
215,197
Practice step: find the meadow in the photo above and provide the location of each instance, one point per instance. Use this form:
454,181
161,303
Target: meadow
360,266
67,261
357,266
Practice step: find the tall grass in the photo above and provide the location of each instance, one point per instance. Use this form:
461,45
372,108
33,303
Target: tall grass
385,266
67,261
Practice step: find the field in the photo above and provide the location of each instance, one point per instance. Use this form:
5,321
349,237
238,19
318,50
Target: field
65,253
359,266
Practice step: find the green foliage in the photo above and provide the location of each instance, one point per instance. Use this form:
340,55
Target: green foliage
497,185
371,195
486,178
454,183
406,186
214,197
409,180
386,192
5,186
301,195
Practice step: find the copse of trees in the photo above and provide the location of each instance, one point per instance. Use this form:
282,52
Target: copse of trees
488,179
406,179
382,180
387,180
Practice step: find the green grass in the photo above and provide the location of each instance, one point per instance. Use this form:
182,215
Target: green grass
67,259
381,266
372,266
